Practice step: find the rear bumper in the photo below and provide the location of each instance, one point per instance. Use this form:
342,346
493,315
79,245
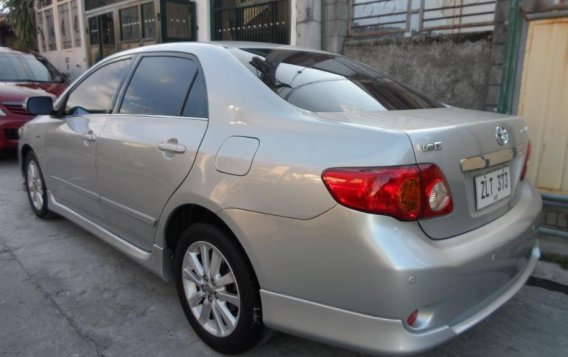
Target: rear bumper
352,279
372,334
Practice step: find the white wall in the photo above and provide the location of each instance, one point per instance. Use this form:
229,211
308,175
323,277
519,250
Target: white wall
305,31
306,23
203,20
71,61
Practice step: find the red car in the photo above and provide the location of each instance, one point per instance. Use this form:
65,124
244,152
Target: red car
23,75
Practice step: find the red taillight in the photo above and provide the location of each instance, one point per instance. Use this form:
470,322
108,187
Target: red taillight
526,163
404,192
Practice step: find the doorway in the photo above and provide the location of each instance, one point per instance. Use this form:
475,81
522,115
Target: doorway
543,102
101,35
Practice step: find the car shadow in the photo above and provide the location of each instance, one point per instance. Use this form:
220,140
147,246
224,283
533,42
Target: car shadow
8,158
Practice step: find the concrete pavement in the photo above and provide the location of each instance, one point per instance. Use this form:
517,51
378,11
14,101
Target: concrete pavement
63,292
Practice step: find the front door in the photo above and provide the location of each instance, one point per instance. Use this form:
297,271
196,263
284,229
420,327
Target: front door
148,147
71,161
73,139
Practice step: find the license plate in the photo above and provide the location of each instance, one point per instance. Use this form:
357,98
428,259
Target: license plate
492,187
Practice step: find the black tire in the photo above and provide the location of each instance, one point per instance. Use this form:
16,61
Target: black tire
41,210
249,329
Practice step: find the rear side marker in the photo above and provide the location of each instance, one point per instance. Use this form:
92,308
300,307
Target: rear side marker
407,193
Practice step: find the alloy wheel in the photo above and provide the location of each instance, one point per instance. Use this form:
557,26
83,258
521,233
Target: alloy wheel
35,185
211,289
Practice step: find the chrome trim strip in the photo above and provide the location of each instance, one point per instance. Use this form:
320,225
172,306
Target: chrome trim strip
181,117
76,188
132,212
488,160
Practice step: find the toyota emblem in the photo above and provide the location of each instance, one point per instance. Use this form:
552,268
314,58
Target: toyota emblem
502,135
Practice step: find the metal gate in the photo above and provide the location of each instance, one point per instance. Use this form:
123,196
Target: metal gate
178,20
251,20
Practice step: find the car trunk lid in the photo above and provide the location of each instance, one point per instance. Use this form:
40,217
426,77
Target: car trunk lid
463,144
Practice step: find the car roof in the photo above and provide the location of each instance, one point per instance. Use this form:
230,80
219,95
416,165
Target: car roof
249,44
266,45
190,45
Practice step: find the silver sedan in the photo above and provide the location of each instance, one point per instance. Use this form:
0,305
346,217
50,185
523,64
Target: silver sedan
290,189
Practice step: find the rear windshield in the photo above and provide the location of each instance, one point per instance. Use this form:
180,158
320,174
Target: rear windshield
16,67
323,82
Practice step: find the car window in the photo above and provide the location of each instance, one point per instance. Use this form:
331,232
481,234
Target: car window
39,70
196,105
96,93
159,86
16,67
324,82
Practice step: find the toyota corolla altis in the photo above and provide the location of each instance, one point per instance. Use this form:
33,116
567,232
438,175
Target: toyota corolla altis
293,190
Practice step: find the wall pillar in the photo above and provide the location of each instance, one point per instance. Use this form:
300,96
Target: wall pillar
335,24
307,24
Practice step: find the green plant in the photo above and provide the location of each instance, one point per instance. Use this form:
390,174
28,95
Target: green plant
21,17
559,259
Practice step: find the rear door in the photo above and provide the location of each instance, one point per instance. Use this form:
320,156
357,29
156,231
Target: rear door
149,145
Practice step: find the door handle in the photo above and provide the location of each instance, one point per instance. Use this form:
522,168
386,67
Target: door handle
172,146
89,136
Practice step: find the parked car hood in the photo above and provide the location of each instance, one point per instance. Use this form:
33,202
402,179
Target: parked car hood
19,91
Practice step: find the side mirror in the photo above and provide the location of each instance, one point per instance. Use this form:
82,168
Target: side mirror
39,105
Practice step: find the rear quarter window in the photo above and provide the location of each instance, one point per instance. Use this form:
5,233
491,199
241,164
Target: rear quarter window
324,82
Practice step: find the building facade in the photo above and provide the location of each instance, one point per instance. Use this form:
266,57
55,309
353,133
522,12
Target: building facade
116,25
60,34
74,34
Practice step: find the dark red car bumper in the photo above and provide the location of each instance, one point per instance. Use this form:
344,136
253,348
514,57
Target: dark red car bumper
9,130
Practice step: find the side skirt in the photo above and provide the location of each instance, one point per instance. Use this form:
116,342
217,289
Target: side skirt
154,260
